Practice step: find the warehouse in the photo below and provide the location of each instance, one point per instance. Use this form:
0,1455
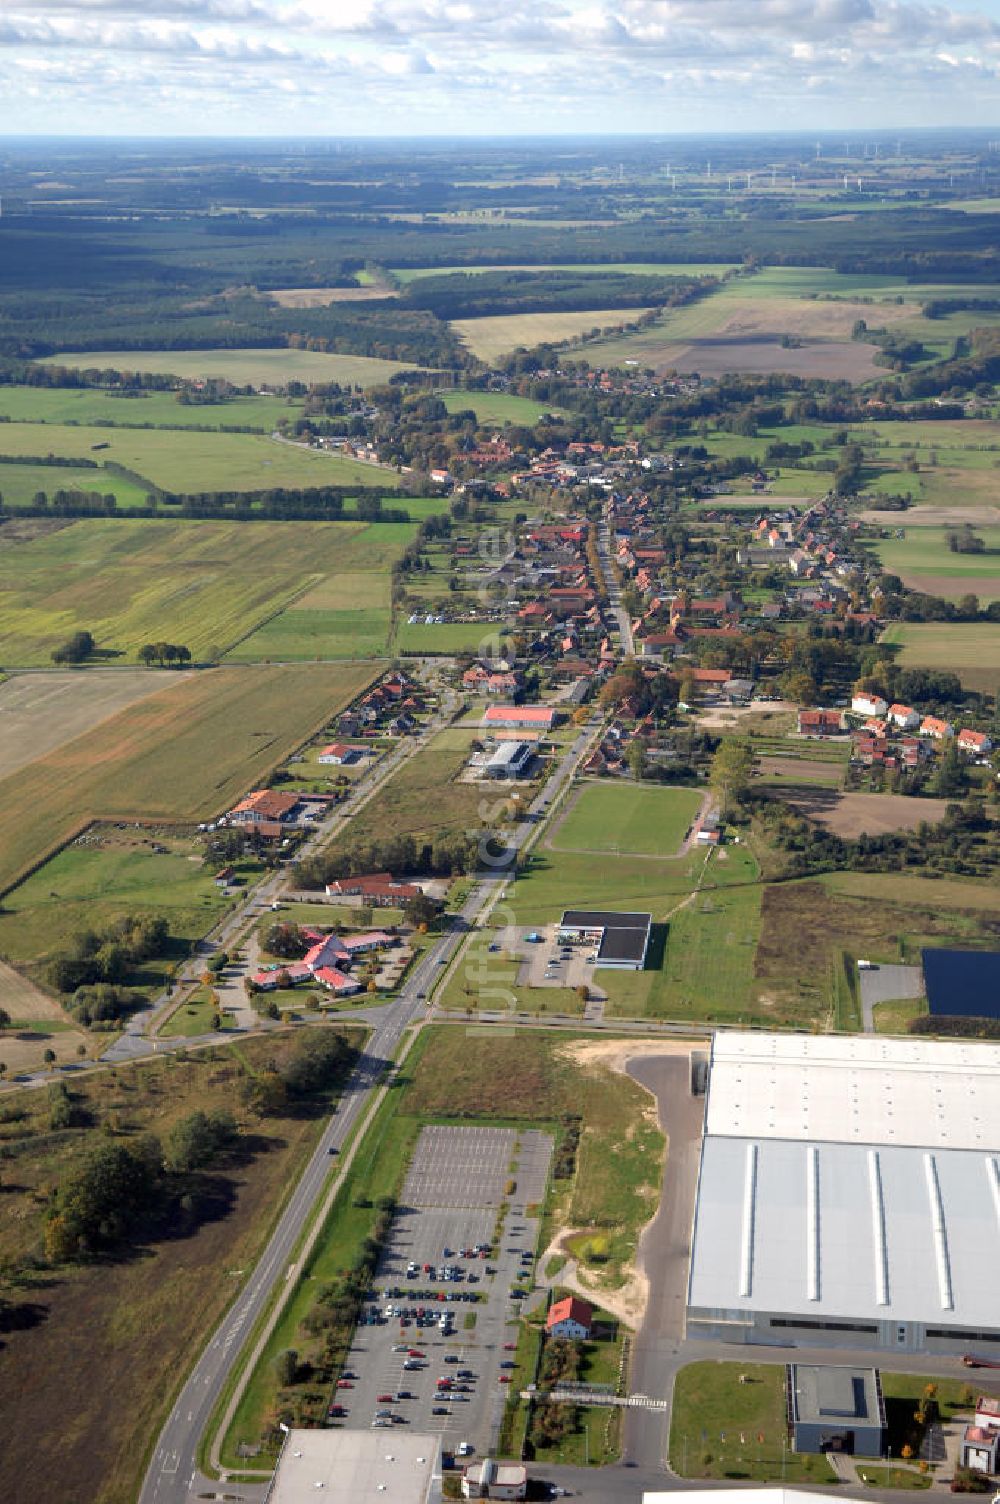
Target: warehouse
849,1194
509,760
620,940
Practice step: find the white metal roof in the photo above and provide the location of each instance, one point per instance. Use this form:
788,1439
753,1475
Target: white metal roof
848,1231
744,1495
349,1467
855,1089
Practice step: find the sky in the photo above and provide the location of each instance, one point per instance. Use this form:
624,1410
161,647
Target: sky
494,67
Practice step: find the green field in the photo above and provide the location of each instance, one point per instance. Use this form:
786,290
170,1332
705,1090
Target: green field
629,819
923,560
496,407
25,404
86,887
20,484
183,754
969,649
271,368
181,461
447,637
206,584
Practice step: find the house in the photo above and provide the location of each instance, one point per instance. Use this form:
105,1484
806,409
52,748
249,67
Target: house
495,1480
938,729
518,717
379,890
904,716
339,755
224,877
336,981
820,722
738,691
869,705
329,951
357,945
981,1449
264,806
977,743
572,1318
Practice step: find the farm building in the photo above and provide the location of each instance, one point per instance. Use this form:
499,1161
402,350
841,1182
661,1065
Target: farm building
962,983
847,1194
571,1318
621,939
339,755
835,1409
346,1466
515,717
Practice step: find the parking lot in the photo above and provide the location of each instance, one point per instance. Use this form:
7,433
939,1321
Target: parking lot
447,1221
548,962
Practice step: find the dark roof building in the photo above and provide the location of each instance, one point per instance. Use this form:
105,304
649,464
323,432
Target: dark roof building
621,939
836,1409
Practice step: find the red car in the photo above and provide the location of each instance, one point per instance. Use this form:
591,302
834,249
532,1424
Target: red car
510,1347
384,1399
414,1353
505,1378
344,1384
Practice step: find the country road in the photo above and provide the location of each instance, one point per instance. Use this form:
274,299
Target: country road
173,1476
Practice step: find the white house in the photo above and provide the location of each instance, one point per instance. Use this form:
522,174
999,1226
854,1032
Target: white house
338,754
932,726
904,716
977,743
571,1318
869,705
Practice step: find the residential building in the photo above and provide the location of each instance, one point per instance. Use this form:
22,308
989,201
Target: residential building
904,716
935,728
572,1318
869,705
338,754
264,806
380,890
820,723
976,743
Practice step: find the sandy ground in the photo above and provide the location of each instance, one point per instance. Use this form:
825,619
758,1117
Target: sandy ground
800,769
322,297
722,716
765,355
849,815
950,586
42,711
629,1301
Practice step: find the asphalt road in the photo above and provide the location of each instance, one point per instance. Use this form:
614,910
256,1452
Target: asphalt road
173,1477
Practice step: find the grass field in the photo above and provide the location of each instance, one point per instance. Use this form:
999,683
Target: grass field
85,886
490,338
629,819
923,560
447,637
241,367
969,649
136,1321
496,407
183,754
181,461
201,583
422,798
20,484
90,405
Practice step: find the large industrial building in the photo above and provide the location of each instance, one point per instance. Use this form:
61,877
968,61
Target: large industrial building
849,1194
344,1467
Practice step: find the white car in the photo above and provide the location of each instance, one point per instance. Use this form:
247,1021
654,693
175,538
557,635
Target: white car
465,1449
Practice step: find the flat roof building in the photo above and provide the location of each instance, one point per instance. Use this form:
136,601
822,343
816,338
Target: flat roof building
346,1467
509,760
849,1194
621,939
836,1409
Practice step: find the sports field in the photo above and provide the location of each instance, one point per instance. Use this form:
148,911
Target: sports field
628,819
39,404
206,584
490,338
969,649
242,367
180,461
923,560
183,754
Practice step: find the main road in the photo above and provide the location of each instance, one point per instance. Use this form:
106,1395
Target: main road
173,1476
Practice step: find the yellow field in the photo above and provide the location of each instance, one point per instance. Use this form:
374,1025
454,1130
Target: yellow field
490,338
184,754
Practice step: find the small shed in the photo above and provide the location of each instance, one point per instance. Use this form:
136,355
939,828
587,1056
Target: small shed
836,1409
